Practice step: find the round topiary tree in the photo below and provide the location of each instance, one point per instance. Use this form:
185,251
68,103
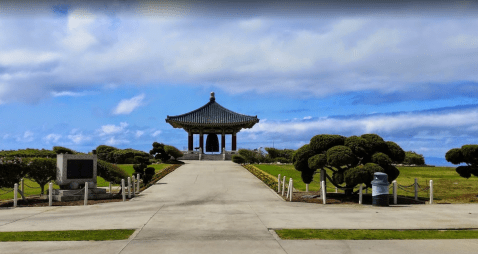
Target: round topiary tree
159,153
351,160
467,154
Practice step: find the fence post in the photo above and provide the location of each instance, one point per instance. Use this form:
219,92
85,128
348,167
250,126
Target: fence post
291,189
86,193
129,187
288,189
323,192
360,194
336,190
306,187
283,186
134,185
278,183
22,188
123,190
431,192
416,189
137,179
50,194
394,192
15,190
110,187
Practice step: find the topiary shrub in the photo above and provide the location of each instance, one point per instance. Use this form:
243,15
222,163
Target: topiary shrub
466,154
413,158
148,174
322,143
159,153
110,172
173,151
238,159
249,156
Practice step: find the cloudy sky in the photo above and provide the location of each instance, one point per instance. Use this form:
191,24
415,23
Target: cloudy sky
81,75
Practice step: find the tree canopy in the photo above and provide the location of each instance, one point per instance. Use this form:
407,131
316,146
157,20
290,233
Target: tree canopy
352,160
412,157
467,154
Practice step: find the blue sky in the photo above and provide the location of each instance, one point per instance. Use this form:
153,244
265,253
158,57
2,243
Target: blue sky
82,75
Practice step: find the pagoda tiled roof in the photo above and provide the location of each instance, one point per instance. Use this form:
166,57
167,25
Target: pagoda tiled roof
212,114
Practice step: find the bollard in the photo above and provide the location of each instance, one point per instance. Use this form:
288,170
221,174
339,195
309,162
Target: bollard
129,187
15,190
137,179
380,191
134,185
431,192
288,189
291,189
306,187
323,192
283,186
278,183
22,186
360,194
86,193
110,187
123,190
394,192
416,189
336,190
50,194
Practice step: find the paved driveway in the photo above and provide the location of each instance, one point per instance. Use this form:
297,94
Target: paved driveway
219,207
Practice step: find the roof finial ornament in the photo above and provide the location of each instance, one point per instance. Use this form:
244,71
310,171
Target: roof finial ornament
212,97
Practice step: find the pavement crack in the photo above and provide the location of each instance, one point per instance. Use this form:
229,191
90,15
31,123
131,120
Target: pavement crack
196,179
271,231
139,230
29,216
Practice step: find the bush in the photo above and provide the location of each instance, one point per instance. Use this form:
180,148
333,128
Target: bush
274,153
64,150
322,143
173,151
413,158
466,154
28,153
281,160
110,172
42,170
238,159
249,156
158,152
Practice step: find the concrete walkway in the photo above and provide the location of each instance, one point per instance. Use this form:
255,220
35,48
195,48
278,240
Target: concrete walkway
219,207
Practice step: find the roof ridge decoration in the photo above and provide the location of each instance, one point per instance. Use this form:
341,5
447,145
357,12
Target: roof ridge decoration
212,114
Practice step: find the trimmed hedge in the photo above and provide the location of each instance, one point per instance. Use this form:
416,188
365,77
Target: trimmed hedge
266,178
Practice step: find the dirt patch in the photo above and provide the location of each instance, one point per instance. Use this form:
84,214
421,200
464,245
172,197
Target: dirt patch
41,201
340,198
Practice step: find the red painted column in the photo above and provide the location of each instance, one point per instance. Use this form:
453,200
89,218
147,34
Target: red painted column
234,141
190,142
201,142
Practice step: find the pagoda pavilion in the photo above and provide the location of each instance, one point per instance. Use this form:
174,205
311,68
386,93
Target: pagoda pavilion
212,119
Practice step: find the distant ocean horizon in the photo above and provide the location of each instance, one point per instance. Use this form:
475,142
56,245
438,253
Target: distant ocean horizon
439,162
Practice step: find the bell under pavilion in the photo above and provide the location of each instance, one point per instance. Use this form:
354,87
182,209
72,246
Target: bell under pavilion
211,119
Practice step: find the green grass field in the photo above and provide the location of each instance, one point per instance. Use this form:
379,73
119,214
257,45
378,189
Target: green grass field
448,186
67,235
367,234
34,188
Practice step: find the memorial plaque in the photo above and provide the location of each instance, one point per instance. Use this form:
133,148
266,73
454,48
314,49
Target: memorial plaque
79,169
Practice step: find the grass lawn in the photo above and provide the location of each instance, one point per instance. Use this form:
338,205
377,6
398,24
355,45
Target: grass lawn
35,188
448,186
69,235
373,234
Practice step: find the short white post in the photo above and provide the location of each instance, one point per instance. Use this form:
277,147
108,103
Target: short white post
50,194
123,190
306,187
137,179
278,183
283,186
288,189
360,195
431,192
86,193
110,187
394,192
323,193
336,190
416,189
15,190
22,188
134,185
129,187
291,189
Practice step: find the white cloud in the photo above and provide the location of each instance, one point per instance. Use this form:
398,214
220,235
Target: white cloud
79,37
67,93
139,134
52,138
156,133
112,129
127,106
307,117
113,141
78,137
20,57
26,137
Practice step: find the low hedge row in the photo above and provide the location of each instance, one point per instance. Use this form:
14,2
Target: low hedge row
266,178
160,175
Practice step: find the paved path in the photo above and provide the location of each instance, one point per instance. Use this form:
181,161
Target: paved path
219,207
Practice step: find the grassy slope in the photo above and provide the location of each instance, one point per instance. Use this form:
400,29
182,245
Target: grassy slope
35,190
449,187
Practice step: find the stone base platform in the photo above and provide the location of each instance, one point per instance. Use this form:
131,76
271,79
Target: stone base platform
73,195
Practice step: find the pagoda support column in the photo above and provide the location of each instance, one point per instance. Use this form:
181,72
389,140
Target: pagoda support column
223,141
190,141
201,141
234,141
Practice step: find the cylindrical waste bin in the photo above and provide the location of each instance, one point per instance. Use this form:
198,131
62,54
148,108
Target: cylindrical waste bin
380,189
